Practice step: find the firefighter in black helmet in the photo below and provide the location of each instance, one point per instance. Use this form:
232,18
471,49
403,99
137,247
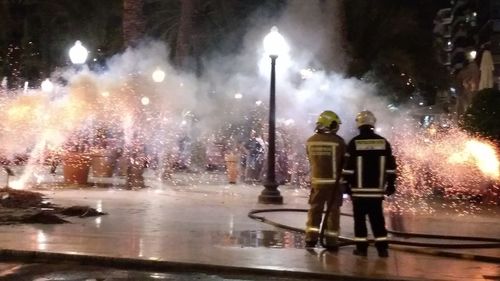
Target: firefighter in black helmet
370,173
325,151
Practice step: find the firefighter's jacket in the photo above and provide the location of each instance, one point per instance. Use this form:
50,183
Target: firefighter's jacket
370,167
326,154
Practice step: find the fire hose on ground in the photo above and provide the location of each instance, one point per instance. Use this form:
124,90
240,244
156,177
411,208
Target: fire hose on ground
409,246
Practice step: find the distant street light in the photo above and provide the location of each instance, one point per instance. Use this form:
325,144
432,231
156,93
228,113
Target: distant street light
158,75
145,100
47,86
472,55
274,45
78,53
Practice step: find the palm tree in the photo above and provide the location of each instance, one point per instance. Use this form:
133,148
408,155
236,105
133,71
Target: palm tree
182,48
133,21
16,12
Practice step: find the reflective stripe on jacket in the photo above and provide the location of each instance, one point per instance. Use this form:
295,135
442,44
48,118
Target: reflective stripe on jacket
370,165
326,154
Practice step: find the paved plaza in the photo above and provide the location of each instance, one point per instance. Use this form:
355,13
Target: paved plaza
197,222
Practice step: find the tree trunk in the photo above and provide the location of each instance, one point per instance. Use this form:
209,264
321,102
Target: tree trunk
133,21
184,33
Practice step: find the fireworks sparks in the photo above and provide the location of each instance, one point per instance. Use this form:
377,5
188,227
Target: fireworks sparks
132,104
445,162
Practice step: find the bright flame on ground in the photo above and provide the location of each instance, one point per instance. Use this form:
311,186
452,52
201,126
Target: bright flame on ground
17,184
482,155
442,162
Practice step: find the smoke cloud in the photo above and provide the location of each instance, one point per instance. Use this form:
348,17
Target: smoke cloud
226,101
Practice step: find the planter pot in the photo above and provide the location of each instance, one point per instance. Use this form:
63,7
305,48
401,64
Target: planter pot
232,167
135,178
122,165
76,167
103,163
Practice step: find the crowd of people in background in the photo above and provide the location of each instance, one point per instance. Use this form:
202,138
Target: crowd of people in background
251,152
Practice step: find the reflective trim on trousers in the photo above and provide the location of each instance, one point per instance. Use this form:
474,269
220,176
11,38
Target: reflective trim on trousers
383,238
312,229
331,234
328,233
360,239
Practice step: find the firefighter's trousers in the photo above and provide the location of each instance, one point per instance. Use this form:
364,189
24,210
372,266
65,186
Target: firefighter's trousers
318,200
371,207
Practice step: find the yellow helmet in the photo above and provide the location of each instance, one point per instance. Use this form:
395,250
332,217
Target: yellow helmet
365,117
326,118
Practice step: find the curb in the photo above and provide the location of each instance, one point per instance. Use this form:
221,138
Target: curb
447,254
8,255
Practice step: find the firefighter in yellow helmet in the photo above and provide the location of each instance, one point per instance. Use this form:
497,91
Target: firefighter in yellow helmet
370,173
325,151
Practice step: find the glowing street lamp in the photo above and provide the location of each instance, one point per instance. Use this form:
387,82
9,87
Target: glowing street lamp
274,46
158,75
47,86
78,53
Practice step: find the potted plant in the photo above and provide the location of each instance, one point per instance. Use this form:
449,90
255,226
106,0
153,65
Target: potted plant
76,163
103,154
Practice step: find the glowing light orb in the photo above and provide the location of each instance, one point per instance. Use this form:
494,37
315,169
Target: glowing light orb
238,96
78,53
306,73
158,75
289,122
47,86
472,54
275,44
259,102
145,100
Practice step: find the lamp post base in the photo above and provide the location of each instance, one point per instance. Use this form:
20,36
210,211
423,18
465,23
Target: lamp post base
271,194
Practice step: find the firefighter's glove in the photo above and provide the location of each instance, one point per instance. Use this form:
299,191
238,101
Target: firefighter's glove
391,188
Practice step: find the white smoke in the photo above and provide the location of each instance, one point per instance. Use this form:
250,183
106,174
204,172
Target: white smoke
184,104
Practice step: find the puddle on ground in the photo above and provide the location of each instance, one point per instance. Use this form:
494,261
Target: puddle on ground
260,238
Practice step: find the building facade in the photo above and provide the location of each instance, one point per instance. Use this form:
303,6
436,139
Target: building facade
465,32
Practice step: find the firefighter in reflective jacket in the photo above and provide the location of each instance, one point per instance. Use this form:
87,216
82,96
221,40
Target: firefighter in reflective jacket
325,150
370,173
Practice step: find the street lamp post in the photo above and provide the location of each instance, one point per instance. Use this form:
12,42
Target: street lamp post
274,45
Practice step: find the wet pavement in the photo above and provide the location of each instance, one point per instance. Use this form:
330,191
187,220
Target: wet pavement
201,223
73,272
